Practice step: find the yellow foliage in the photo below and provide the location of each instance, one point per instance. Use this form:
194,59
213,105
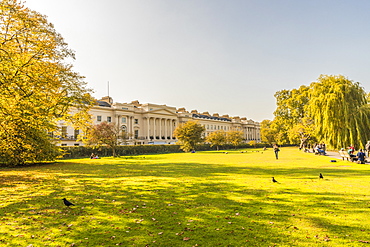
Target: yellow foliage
37,87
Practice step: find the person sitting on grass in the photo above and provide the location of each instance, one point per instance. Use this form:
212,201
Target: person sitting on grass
360,157
319,150
350,151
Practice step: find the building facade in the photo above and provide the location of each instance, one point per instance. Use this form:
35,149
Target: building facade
154,124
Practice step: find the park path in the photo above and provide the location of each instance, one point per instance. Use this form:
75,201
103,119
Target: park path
333,154
336,155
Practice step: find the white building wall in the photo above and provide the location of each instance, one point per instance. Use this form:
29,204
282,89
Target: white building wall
154,124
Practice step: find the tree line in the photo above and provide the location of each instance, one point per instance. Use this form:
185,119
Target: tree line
333,110
189,136
191,133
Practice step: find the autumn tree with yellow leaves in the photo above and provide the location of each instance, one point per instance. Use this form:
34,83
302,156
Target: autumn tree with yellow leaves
234,137
217,138
38,87
189,134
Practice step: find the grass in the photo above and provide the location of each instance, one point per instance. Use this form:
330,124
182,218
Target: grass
201,199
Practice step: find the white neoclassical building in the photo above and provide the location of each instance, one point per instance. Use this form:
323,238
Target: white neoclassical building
154,124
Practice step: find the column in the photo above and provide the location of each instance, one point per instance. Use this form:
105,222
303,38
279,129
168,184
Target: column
148,128
160,128
154,128
166,128
131,127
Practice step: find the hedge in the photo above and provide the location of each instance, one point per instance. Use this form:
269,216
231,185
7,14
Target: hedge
73,152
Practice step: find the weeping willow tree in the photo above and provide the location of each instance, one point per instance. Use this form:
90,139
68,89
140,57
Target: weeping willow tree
340,110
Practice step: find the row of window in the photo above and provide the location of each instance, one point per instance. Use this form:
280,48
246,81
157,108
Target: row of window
217,127
109,119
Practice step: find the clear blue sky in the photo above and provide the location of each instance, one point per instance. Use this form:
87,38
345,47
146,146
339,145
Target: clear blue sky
220,56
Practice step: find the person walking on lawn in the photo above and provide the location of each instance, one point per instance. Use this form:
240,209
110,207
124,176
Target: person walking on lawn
276,151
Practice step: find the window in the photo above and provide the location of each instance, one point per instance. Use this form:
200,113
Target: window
64,131
136,134
64,144
77,132
98,118
77,144
124,119
109,119
136,121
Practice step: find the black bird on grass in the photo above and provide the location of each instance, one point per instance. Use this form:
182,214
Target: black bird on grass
67,203
321,176
274,180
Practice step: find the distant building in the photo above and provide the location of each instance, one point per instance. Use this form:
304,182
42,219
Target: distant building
154,124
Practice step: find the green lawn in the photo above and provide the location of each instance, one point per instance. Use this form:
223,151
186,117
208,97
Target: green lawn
200,199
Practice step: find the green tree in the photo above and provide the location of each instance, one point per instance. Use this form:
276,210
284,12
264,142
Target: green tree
189,134
340,110
217,138
280,132
234,137
301,132
104,134
37,86
268,134
290,113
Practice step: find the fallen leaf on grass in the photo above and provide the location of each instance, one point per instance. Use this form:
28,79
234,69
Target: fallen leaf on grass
326,238
186,238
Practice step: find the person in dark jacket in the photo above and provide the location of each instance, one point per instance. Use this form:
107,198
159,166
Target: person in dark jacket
276,151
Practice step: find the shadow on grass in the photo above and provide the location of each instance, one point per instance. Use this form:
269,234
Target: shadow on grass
169,204
172,214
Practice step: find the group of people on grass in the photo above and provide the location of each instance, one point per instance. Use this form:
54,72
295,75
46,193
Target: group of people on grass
94,156
319,148
360,156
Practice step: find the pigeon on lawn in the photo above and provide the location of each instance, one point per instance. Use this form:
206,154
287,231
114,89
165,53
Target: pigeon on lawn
321,176
67,203
274,180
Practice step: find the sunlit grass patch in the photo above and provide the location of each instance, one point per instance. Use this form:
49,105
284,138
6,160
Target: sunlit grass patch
184,199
